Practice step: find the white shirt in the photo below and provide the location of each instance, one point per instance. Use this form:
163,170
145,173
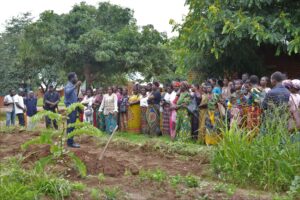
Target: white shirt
9,99
144,101
173,96
20,100
167,97
109,104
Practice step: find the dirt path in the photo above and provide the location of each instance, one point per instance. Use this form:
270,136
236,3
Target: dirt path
121,167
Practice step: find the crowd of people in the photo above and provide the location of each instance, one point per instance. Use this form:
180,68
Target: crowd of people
178,110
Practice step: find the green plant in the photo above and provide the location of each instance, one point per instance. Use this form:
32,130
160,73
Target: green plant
112,193
229,189
156,175
294,191
101,177
95,194
191,181
56,139
269,161
175,180
17,183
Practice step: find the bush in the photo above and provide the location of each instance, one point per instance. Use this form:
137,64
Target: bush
271,161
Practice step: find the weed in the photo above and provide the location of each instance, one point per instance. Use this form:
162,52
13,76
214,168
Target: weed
157,175
56,139
95,194
229,189
294,191
28,185
191,181
112,193
101,177
175,180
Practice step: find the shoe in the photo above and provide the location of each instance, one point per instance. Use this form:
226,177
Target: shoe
74,145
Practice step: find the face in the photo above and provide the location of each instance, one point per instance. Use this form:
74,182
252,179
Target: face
169,90
12,93
154,87
273,81
75,79
125,92
247,87
225,81
143,91
212,82
230,84
245,77
263,81
208,89
238,85
89,93
31,95
51,89
109,90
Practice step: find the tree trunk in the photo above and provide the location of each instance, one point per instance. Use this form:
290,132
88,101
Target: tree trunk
88,75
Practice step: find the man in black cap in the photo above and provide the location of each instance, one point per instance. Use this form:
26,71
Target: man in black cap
51,100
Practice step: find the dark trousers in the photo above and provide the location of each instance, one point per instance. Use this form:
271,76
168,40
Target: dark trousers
71,119
51,123
21,119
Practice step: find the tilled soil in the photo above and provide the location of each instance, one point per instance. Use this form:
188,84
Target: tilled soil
121,167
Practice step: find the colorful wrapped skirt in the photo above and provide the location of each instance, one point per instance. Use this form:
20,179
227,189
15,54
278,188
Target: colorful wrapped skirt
134,119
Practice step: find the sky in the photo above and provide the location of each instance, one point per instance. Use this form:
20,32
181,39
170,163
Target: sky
156,12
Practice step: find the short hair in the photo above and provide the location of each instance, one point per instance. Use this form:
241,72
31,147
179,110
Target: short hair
254,79
71,75
277,76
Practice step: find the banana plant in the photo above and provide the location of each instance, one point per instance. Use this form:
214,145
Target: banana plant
56,138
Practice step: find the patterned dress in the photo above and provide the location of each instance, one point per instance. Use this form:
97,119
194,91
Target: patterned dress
183,119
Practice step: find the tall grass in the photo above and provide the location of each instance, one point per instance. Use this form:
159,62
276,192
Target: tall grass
271,161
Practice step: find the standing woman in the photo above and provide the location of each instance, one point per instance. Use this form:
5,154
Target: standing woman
183,119
124,110
213,118
194,110
109,107
134,112
100,120
153,115
88,106
166,114
173,105
144,107
203,111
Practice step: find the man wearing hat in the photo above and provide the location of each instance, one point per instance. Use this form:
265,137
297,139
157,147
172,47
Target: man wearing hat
51,100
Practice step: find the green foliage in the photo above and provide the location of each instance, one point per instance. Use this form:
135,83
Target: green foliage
156,175
111,193
16,183
101,177
95,194
227,188
270,161
56,139
294,191
226,36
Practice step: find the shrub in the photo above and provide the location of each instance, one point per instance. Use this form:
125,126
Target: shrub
270,161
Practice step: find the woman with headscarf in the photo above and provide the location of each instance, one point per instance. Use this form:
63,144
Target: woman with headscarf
183,118
153,115
213,119
109,107
88,106
294,102
123,108
134,112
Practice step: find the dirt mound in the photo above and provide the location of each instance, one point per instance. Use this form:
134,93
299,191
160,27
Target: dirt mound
109,166
35,152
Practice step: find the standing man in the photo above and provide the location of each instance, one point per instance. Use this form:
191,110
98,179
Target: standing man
20,108
31,105
51,100
71,97
10,108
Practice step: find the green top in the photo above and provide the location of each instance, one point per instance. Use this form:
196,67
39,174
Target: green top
184,98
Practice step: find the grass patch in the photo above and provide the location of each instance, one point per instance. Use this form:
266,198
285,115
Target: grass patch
271,161
27,185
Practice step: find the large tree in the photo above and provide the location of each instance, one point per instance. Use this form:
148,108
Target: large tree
227,35
95,41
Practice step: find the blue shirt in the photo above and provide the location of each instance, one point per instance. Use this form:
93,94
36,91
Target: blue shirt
31,104
279,95
70,94
217,90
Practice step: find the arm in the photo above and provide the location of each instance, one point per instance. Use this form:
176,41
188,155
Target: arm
116,103
69,89
102,105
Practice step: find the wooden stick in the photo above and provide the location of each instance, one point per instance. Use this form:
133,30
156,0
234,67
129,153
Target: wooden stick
102,154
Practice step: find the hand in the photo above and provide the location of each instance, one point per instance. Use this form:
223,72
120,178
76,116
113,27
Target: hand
78,84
